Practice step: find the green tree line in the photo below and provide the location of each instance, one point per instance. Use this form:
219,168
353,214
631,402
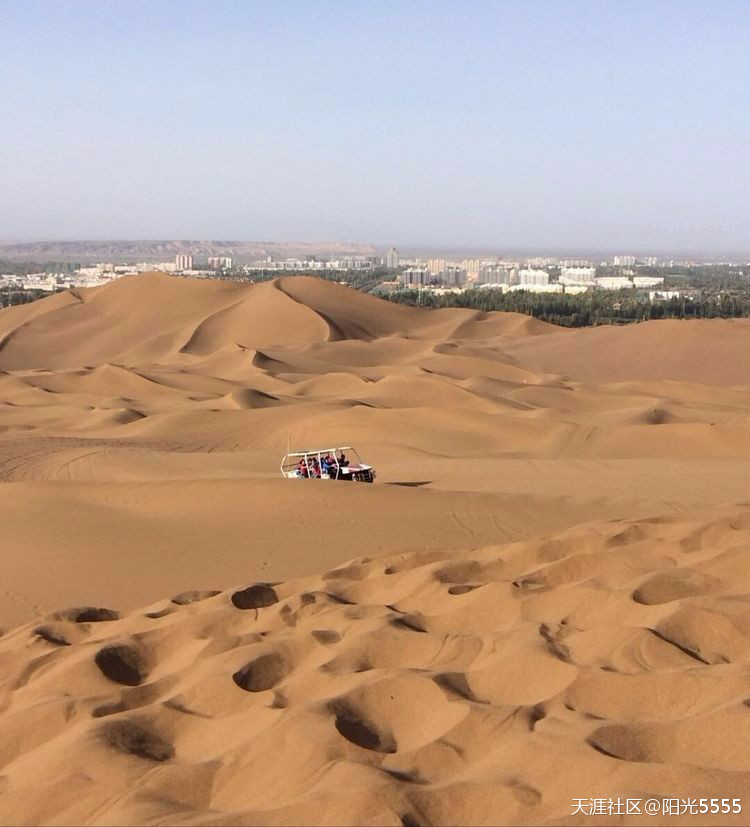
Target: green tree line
594,307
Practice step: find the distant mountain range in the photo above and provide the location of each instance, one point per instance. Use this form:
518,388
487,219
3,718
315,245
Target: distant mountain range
165,250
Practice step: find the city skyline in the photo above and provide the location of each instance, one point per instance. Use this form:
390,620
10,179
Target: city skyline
576,126
33,249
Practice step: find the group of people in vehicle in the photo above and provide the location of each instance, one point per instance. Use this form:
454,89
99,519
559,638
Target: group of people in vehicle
328,466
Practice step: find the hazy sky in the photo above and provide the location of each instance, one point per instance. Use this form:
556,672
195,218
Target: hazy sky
497,124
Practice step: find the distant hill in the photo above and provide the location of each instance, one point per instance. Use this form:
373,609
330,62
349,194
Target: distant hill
161,250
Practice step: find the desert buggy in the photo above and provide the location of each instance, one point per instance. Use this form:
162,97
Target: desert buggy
327,464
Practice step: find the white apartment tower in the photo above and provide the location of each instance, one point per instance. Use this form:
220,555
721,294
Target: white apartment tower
472,267
577,275
535,277
497,274
220,262
391,258
183,262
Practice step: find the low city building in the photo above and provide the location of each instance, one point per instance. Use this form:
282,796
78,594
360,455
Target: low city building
664,295
535,288
614,283
577,275
647,281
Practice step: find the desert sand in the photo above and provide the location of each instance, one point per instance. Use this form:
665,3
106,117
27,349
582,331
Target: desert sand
545,596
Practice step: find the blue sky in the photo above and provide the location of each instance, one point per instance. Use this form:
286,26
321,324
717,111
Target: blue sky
598,125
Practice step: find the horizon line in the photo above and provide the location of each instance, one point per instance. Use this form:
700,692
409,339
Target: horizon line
527,250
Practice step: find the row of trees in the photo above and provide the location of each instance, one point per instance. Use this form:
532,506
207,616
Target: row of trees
19,268
13,296
591,308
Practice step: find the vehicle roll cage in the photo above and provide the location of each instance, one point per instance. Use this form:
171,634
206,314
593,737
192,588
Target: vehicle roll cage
292,459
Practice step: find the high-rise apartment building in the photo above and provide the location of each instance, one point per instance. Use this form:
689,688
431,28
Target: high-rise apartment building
220,262
535,277
497,274
183,262
391,258
415,277
472,267
452,275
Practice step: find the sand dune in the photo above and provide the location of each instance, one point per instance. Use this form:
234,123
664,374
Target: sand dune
693,351
416,688
544,595
152,345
